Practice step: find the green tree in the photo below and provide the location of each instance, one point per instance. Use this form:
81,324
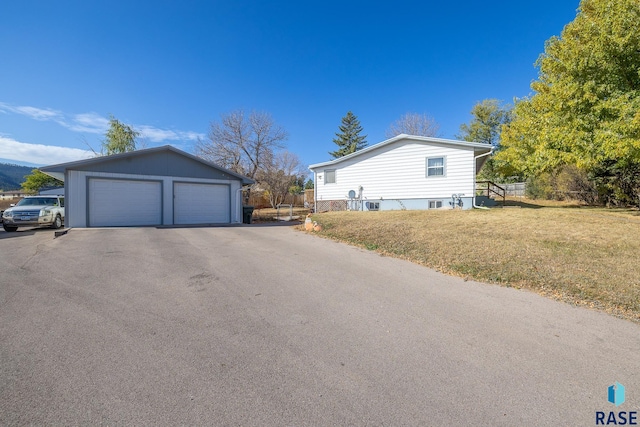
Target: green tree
309,184
38,180
489,116
349,139
298,185
120,138
585,110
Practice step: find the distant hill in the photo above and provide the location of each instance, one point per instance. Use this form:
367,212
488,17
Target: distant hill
11,176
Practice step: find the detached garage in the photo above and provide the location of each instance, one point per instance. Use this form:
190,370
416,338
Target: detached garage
156,186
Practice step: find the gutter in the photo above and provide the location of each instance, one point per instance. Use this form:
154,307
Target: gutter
315,192
474,178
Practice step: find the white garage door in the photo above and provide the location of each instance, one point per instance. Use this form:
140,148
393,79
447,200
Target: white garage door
201,203
118,202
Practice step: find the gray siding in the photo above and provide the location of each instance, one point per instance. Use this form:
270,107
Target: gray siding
163,163
76,194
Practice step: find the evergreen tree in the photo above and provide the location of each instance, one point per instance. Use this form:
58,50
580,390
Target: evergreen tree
309,184
349,139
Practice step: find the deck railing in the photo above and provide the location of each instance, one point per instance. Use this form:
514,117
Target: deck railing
490,188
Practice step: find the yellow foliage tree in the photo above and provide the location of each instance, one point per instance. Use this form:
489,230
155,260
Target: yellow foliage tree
586,107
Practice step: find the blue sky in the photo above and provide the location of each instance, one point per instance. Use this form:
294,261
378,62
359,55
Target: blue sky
169,68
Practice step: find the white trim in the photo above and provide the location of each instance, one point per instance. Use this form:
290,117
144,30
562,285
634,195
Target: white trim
444,167
335,177
403,137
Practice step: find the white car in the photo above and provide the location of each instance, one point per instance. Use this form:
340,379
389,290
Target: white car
35,211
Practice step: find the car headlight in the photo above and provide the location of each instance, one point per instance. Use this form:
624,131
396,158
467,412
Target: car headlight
45,212
7,214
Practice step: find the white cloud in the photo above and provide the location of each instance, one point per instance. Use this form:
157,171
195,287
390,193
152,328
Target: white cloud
192,136
39,154
95,123
88,122
158,135
155,134
38,113
32,112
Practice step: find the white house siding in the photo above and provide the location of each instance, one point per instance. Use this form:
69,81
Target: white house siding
76,190
398,171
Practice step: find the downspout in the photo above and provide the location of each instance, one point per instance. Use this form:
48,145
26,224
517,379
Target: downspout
315,192
239,212
474,178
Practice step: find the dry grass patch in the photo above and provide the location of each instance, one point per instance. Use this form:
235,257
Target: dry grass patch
585,256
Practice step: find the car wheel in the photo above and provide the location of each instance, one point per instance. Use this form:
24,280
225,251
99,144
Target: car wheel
57,222
9,227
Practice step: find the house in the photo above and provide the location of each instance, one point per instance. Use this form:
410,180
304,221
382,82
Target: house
404,172
12,194
155,186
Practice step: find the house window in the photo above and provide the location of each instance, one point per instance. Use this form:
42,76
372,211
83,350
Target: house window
435,204
435,166
373,206
330,176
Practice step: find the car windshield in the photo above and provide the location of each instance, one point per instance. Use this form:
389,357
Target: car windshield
38,201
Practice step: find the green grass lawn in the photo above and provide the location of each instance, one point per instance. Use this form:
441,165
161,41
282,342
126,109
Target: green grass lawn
581,255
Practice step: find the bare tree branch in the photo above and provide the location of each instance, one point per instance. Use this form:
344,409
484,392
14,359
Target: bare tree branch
242,143
414,124
279,174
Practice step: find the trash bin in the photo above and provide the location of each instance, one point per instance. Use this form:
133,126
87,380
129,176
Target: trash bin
247,213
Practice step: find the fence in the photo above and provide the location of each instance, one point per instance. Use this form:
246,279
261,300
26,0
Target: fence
260,199
308,197
517,189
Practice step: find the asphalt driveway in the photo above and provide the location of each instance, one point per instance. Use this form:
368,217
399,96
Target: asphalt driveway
271,326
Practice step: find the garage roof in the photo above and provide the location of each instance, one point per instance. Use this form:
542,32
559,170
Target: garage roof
160,161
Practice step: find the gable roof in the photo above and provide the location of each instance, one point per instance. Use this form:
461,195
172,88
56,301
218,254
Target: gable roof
478,147
122,161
